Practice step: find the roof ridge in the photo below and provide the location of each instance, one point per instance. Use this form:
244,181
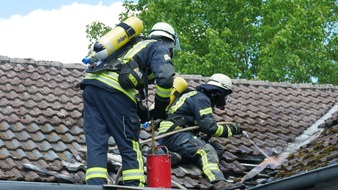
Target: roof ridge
31,61
57,64
283,84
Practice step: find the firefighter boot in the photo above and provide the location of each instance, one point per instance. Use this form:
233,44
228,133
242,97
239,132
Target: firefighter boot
176,158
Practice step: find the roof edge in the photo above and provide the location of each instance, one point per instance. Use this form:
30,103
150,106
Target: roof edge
302,180
31,61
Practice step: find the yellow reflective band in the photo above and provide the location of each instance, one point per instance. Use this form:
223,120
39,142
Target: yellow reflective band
151,76
205,165
136,48
96,172
133,174
136,147
211,166
133,80
219,131
229,131
163,92
206,111
111,79
165,125
167,57
208,171
181,101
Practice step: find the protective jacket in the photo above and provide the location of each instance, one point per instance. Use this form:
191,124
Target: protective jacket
194,108
110,110
154,61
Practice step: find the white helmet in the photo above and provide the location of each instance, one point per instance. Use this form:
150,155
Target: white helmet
162,29
220,80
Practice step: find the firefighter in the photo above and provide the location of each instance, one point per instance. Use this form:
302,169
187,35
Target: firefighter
111,110
195,107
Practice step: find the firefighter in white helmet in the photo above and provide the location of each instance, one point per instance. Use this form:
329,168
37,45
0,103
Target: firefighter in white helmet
167,35
196,107
111,107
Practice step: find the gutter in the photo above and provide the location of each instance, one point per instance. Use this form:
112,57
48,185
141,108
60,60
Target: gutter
15,185
299,181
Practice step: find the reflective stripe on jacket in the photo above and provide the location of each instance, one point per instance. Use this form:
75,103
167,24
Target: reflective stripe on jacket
195,107
111,79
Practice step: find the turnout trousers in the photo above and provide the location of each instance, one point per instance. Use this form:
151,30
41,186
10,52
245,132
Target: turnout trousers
197,151
111,113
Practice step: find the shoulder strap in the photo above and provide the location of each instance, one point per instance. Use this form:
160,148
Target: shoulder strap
178,121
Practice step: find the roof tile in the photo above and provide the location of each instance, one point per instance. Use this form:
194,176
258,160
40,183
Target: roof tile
41,120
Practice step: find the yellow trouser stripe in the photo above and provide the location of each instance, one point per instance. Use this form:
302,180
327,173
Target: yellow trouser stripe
135,174
136,147
206,166
96,172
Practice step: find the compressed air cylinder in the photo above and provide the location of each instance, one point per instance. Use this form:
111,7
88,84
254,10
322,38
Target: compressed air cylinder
116,38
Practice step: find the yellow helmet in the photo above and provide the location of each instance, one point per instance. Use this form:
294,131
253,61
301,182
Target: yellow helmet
180,84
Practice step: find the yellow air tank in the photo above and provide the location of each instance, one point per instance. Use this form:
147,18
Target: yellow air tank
116,38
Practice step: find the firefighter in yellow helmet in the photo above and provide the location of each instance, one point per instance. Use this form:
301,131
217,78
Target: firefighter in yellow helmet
111,106
196,107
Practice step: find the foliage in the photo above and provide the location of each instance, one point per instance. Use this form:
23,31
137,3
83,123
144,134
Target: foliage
95,30
274,40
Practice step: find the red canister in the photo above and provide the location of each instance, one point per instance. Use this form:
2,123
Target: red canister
159,170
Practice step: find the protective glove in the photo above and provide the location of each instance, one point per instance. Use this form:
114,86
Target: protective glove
206,137
159,111
143,113
236,129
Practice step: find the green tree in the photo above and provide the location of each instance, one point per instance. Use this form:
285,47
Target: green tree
95,30
299,42
275,40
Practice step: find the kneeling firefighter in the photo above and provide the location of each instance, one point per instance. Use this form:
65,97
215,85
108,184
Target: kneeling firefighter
110,103
195,107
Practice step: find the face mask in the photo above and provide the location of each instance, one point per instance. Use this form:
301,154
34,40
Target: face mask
222,102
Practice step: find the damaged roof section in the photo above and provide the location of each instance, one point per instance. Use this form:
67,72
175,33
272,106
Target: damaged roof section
313,165
41,124
319,153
